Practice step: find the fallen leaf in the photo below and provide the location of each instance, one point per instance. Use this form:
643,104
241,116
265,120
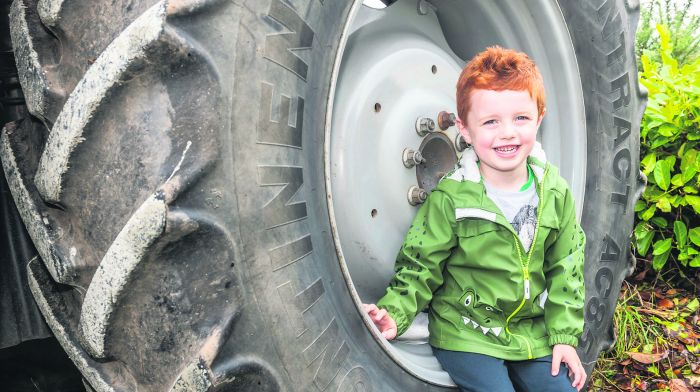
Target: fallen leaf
625,362
661,313
641,385
677,385
695,368
693,380
672,292
679,362
640,276
647,358
665,303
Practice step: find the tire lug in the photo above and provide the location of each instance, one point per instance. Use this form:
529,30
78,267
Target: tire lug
416,195
412,158
446,120
425,125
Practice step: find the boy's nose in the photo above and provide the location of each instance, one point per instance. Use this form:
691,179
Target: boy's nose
508,131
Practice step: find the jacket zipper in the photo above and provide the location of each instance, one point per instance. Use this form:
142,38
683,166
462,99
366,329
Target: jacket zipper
525,265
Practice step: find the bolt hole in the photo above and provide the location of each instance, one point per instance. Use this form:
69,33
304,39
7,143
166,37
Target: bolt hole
377,107
374,212
434,69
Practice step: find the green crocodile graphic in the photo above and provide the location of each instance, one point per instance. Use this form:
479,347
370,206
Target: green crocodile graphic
478,315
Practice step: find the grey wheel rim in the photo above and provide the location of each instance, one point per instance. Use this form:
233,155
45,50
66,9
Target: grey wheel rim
396,65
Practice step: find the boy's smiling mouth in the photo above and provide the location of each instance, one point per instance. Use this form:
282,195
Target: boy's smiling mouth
507,149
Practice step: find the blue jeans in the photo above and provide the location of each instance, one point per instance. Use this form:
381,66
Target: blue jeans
482,373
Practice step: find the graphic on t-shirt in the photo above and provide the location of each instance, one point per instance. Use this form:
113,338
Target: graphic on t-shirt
524,224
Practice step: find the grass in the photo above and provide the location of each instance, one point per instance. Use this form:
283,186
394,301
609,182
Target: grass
656,337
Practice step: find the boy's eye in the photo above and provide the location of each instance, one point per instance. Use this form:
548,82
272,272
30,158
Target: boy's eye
489,122
522,118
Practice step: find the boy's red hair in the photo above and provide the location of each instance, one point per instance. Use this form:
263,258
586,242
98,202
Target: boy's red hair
499,69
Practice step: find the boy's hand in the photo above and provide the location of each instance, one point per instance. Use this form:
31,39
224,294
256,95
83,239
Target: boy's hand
386,324
567,354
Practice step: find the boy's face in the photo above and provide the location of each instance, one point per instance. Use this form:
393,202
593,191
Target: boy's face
502,128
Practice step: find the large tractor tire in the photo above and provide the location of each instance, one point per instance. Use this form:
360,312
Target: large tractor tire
215,186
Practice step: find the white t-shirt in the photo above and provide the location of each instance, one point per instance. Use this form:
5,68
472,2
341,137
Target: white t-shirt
519,208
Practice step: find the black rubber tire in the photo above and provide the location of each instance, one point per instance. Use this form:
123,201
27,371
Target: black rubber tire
183,222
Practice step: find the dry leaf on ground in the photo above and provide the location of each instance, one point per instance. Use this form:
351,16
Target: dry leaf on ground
677,385
648,358
693,380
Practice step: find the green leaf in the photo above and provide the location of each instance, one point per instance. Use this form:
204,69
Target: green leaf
688,165
663,204
659,141
660,222
648,163
694,235
641,228
678,180
693,201
692,305
695,262
652,193
681,233
658,261
662,174
693,251
646,215
639,205
668,130
643,243
690,189
662,246
670,161
676,201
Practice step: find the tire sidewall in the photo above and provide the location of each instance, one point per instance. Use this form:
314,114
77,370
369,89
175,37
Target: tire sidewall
603,38
291,266
315,336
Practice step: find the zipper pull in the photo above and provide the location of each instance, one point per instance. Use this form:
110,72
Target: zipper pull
527,288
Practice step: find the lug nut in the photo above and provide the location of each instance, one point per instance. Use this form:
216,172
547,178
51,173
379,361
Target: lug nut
446,120
412,158
425,125
416,195
460,143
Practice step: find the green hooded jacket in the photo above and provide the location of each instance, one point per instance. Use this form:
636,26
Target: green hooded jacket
485,293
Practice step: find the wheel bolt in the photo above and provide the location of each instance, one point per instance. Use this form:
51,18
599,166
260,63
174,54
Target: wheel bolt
460,143
416,195
412,158
446,120
425,125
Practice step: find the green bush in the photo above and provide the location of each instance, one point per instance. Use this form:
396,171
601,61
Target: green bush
668,213
681,23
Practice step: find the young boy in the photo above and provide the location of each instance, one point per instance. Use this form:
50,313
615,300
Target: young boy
496,250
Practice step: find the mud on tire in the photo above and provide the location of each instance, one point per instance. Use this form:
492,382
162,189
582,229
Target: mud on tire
173,182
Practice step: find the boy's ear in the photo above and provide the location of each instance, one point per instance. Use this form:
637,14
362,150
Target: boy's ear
539,120
463,131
